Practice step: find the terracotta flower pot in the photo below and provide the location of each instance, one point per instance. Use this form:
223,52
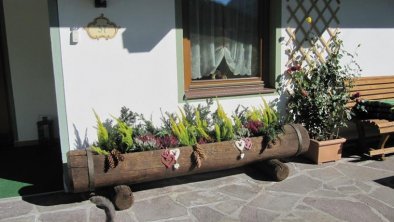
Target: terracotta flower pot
325,151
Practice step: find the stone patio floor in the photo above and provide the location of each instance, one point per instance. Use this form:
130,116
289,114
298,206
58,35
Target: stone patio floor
347,190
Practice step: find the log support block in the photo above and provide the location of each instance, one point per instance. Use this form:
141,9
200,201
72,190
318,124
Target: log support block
275,169
122,197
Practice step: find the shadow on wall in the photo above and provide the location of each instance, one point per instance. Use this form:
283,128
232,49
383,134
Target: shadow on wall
366,14
79,143
148,24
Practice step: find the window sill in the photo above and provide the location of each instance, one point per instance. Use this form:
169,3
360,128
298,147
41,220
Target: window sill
223,91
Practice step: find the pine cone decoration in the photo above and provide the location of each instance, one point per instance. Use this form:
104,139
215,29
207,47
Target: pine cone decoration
118,155
198,155
111,161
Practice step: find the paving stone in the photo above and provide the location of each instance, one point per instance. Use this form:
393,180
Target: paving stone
20,219
241,191
325,174
300,185
363,186
338,182
200,198
348,190
123,216
304,164
326,193
158,208
208,214
214,183
343,209
315,216
253,214
386,211
303,207
14,208
78,215
385,165
180,220
291,220
98,215
275,201
153,193
229,206
385,194
362,173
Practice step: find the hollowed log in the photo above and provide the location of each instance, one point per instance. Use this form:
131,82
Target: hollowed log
147,166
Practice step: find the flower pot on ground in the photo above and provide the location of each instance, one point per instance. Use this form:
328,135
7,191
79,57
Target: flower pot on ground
325,151
317,99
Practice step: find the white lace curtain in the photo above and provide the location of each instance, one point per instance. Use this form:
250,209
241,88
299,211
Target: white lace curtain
224,30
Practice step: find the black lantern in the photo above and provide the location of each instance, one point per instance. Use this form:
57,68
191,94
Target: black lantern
100,3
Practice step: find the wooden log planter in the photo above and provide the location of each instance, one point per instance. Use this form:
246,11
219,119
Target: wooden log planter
87,171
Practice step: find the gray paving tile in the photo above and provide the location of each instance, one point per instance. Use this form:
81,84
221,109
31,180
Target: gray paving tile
325,174
299,185
362,173
229,206
197,198
343,209
78,215
207,214
313,216
243,191
98,215
20,219
157,209
386,165
14,208
275,201
253,214
385,210
384,194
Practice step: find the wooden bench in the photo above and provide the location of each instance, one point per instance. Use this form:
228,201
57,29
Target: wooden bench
375,88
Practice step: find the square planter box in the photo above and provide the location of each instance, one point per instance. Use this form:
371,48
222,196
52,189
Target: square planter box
325,151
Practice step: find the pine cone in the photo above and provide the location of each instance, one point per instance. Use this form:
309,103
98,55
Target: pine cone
197,159
118,155
111,161
198,155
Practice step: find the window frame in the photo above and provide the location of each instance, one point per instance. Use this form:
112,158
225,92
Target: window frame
195,89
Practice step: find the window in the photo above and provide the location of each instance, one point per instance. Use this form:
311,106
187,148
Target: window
223,47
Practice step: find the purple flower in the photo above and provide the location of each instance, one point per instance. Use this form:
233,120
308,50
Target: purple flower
254,126
168,141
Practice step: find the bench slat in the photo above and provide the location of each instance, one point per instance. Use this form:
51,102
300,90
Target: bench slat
375,91
374,80
357,88
378,96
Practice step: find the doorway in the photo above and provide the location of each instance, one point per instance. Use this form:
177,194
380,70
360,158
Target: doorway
29,167
6,135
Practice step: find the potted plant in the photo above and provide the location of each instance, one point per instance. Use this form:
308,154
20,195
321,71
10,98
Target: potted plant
318,98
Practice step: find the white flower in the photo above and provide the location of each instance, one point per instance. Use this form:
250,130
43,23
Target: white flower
176,166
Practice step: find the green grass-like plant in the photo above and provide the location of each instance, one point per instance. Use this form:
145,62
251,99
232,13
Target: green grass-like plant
224,129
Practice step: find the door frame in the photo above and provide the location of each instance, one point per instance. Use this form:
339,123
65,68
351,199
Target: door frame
7,75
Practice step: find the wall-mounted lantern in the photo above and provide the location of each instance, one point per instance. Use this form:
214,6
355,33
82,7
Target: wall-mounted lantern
100,3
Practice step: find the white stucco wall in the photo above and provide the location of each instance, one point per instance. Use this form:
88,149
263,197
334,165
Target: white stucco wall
371,24
136,69
27,30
